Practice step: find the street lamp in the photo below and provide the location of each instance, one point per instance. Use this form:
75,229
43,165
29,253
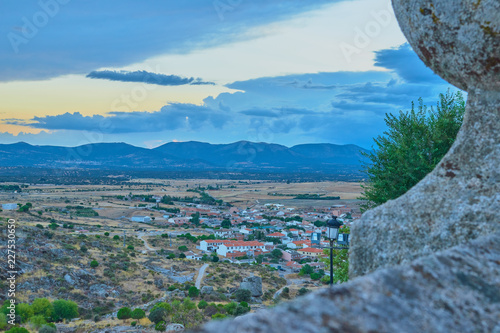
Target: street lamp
332,230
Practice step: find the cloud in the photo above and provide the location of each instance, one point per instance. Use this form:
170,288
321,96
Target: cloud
170,117
336,107
404,61
146,77
74,42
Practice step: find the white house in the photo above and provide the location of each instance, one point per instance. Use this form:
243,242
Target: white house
142,219
193,256
9,206
240,246
211,245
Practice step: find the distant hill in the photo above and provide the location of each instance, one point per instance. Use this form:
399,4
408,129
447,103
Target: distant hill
192,156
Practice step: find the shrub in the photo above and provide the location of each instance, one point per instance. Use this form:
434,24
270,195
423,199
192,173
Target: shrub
202,304
24,311
116,237
243,295
130,247
124,313
158,315
193,292
303,291
106,234
37,321
138,314
240,310
182,255
18,330
183,248
47,329
94,264
161,326
39,226
133,324
64,310
218,316
315,276
83,248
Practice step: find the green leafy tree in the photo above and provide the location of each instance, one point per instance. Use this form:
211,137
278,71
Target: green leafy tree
276,253
340,264
226,224
193,292
116,237
242,295
37,321
124,313
158,314
94,264
64,310
306,270
138,314
161,326
413,145
24,311
202,304
195,218
183,248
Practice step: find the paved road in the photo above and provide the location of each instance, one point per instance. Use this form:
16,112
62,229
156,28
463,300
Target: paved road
200,275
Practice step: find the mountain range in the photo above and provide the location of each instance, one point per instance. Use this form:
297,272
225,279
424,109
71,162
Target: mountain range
239,156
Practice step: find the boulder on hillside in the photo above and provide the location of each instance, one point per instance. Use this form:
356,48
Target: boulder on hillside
254,284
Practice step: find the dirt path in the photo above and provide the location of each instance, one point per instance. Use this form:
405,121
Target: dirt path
200,275
149,248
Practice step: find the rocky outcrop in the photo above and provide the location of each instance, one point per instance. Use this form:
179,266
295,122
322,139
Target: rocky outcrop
456,290
207,290
460,199
254,284
430,260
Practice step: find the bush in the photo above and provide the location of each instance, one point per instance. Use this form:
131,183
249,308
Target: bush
315,276
182,255
47,329
202,304
158,315
130,247
193,292
161,326
240,310
183,248
116,237
24,311
133,324
39,226
64,310
106,234
18,330
243,295
83,248
138,314
218,316
302,291
37,321
124,313
94,264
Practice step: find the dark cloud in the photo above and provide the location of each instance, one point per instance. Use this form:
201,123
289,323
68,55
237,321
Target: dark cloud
147,77
405,62
170,117
81,36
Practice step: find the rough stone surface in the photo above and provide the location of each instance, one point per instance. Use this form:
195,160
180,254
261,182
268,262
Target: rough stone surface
458,39
460,199
207,290
254,284
454,290
434,254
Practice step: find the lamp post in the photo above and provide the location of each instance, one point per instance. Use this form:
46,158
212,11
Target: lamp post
332,230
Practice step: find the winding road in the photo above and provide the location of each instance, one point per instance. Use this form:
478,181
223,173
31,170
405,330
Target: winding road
200,275
149,248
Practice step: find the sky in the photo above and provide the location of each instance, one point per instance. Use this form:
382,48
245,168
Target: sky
75,72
